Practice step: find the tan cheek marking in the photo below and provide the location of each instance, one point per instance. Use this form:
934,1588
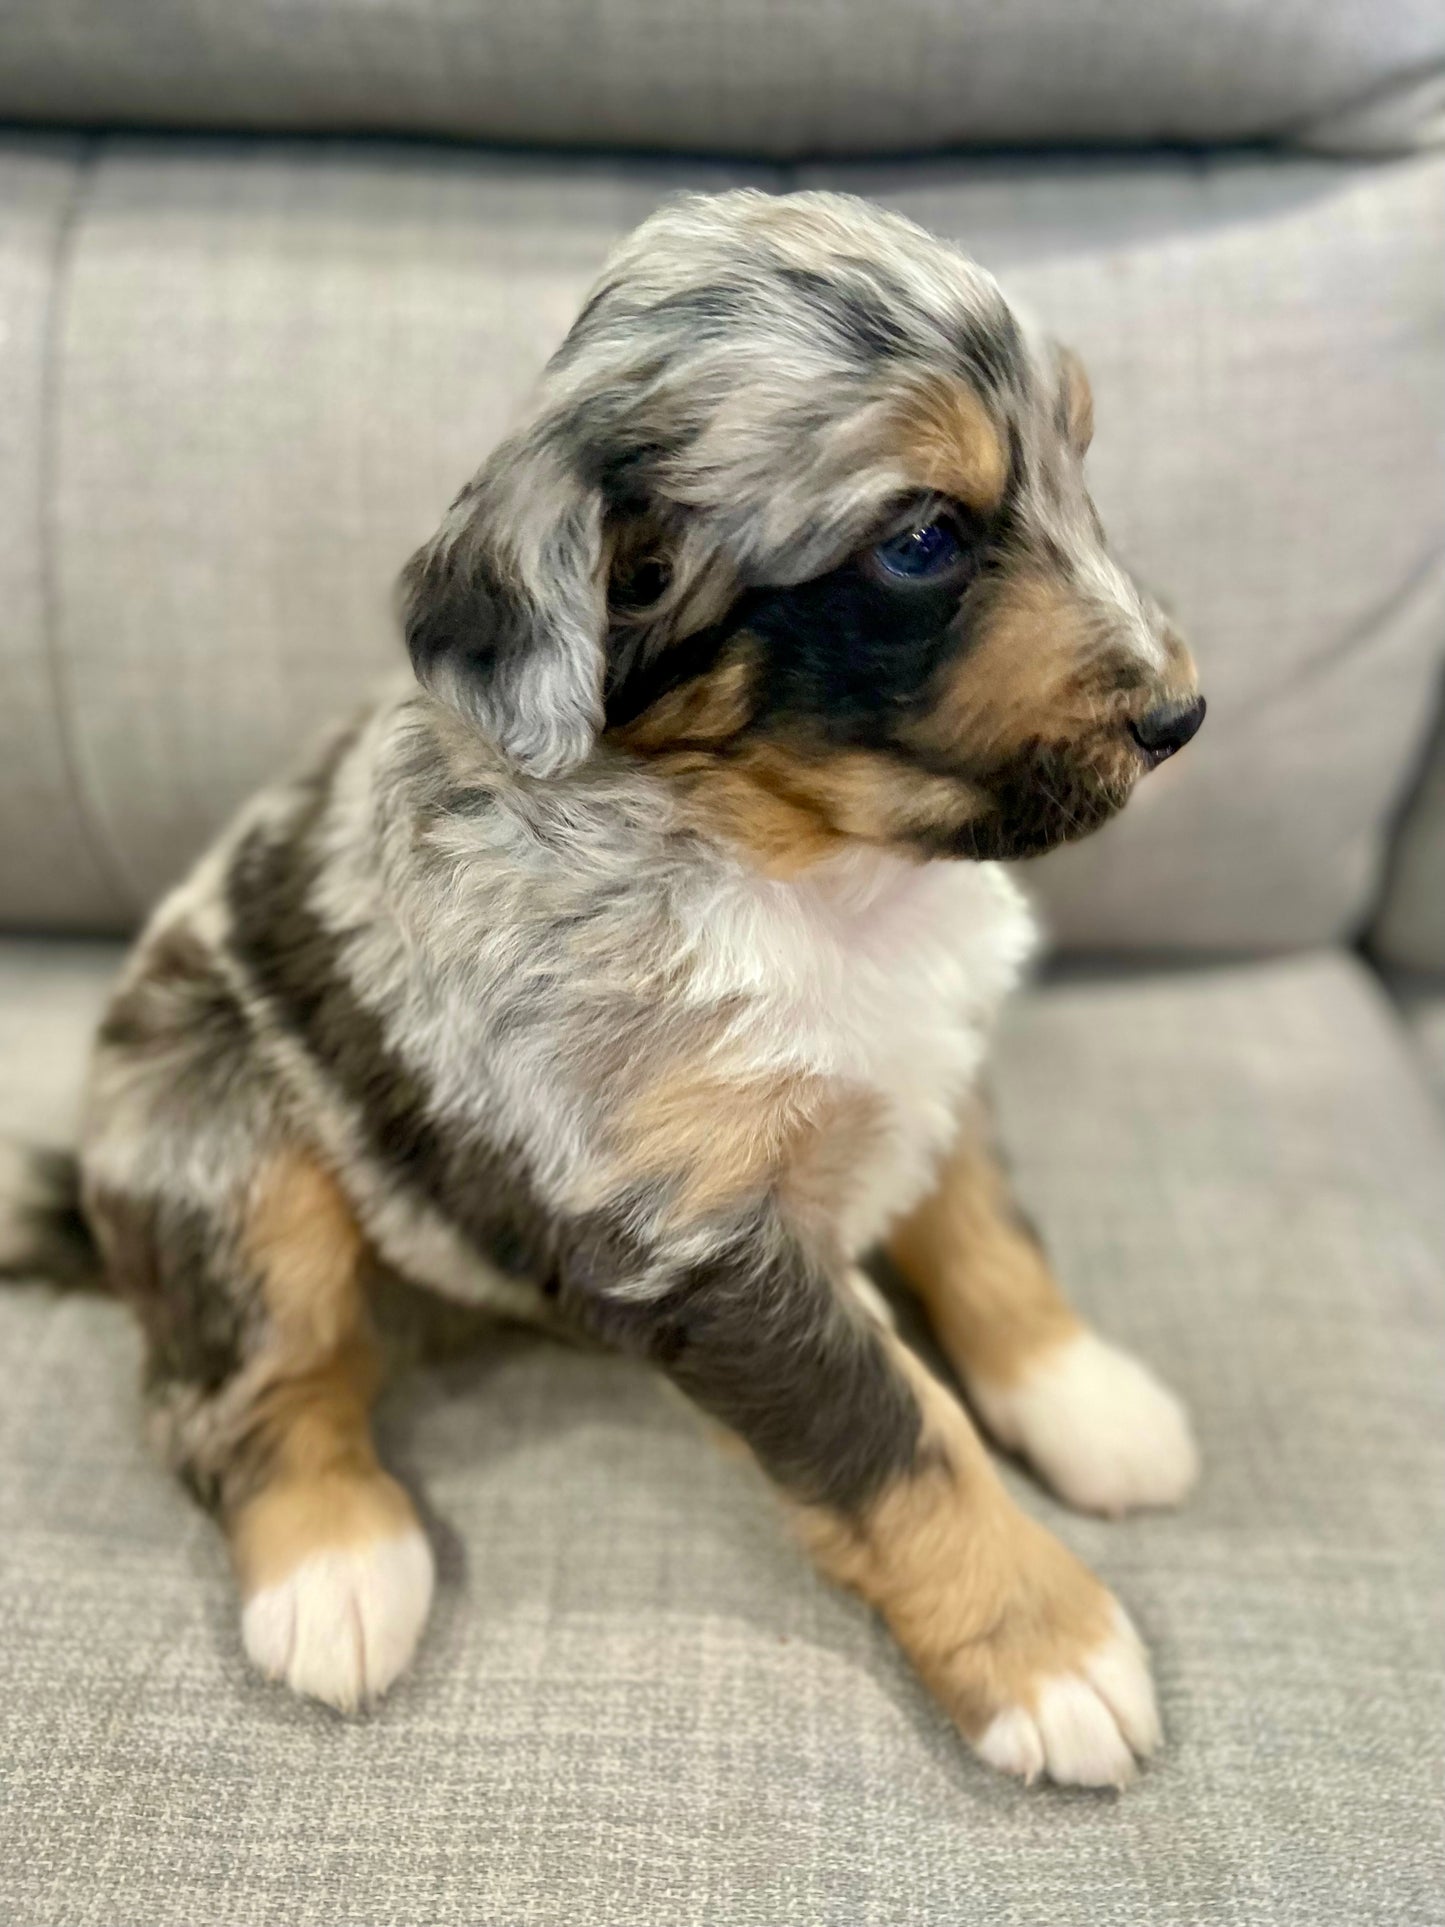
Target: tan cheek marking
790,806
986,1603
988,1288
710,708
1026,679
727,801
949,442
873,798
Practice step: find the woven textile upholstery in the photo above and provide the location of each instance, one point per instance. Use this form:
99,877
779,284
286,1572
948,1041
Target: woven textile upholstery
637,1708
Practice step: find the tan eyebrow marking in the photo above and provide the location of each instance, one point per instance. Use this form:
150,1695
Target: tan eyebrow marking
952,444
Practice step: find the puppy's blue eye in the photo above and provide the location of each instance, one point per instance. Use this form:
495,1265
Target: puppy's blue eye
919,554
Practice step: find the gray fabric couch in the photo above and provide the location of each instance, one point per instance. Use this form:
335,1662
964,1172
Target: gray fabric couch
242,369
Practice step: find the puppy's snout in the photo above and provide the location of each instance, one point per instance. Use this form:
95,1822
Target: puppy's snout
1167,728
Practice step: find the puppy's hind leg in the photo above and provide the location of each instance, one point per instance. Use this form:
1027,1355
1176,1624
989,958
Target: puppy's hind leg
262,1374
335,1570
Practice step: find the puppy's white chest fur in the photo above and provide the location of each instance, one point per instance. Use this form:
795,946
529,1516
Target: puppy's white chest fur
879,973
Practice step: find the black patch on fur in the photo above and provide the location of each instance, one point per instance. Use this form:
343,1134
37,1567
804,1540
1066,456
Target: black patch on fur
990,350
845,655
457,610
760,1339
709,310
634,686
474,800
172,1262
851,656
1039,798
179,999
872,314
624,469
867,321
295,964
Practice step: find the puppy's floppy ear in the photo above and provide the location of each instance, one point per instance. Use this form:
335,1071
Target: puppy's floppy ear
505,609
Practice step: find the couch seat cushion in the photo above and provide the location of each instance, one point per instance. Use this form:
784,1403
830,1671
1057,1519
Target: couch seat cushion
637,1708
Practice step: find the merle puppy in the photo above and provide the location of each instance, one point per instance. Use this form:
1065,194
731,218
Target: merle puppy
637,968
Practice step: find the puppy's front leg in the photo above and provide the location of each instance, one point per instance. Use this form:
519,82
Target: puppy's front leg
1029,1652
1095,1424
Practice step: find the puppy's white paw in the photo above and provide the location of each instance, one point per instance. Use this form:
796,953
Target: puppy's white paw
1087,1727
1097,1427
343,1623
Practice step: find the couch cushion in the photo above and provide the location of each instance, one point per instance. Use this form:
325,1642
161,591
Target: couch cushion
636,1707
1410,929
741,76
53,865
276,365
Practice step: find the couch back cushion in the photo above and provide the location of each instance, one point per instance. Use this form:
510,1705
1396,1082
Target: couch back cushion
781,78
244,380
51,871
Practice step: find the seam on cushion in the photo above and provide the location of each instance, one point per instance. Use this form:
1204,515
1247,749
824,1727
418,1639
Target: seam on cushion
106,857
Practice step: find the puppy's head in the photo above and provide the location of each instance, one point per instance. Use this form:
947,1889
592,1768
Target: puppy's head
798,512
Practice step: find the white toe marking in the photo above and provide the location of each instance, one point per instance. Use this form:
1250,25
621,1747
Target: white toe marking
1082,1742
1097,1426
344,1623
1012,1744
1119,1674
1088,1727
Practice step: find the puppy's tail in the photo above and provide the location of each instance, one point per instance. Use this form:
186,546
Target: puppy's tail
43,1232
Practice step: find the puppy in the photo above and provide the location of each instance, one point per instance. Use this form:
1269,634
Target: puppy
636,969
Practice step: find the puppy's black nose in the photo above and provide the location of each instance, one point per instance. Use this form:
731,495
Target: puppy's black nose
1167,728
